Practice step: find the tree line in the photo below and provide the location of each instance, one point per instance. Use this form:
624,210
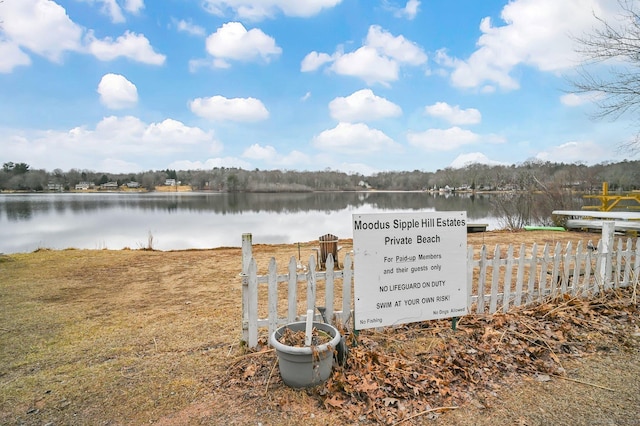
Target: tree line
528,176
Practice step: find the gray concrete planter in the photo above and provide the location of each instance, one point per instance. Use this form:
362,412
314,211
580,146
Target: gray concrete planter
306,366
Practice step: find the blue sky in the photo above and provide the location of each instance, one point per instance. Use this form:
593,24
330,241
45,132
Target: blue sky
351,85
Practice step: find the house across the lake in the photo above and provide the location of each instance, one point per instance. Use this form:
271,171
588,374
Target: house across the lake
85,186
110,186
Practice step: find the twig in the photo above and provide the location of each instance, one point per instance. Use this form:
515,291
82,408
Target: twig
422,413
155,343
254,354
583,382
570,380
273,367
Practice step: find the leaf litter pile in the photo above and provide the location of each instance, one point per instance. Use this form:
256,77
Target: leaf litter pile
296,339
408,373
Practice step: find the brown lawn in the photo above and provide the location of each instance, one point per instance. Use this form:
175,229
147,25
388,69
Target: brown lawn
135,336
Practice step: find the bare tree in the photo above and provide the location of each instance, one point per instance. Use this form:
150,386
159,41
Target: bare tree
616,44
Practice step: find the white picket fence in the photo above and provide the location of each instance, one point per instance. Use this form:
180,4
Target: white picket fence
497,281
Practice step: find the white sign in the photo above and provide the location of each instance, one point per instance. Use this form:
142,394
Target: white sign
409,267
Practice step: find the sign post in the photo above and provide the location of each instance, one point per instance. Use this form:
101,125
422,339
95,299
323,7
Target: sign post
409,267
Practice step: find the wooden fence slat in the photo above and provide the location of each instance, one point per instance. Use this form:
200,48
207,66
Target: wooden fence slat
578,269
311,285
481,279
495,275
607,246
247,255
328,291
273,296
566,268
586,279
517,301
544,269
507,280
347,274
470,269
635,276
599,270
292,290
556,285
533,265
626,259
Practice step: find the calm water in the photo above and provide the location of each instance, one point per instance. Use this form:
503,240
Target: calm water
202,220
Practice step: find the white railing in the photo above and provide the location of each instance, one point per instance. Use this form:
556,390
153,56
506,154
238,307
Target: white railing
504,281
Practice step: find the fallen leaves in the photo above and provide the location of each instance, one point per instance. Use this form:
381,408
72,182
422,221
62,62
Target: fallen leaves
389,379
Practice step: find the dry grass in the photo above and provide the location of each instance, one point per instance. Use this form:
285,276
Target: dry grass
138,336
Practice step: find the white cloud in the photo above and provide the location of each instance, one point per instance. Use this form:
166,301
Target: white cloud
294,159
114,11
130,45
260,9
116,92
314,60
442,139
44,28
573,99
131,139
12,56
306,97
358,138
258,152
353,168
377,61
134,6
116,165
367,64
411,9
130,134
111,8
269,155
576,151
362,105
454,115
220,108
536,33
395,47
233,42
464,160
190,28
41,26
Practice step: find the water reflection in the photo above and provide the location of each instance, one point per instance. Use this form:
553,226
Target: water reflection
18,207
202,220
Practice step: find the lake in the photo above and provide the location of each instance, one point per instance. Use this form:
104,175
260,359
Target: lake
197,220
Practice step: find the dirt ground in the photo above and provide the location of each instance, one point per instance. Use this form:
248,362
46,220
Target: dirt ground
138,336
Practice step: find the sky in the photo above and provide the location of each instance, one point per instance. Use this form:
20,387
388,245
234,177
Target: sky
359,86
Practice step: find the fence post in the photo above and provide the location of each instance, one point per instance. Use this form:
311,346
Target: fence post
252,304
247,254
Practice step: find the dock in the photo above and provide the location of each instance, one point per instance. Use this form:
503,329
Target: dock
624,221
